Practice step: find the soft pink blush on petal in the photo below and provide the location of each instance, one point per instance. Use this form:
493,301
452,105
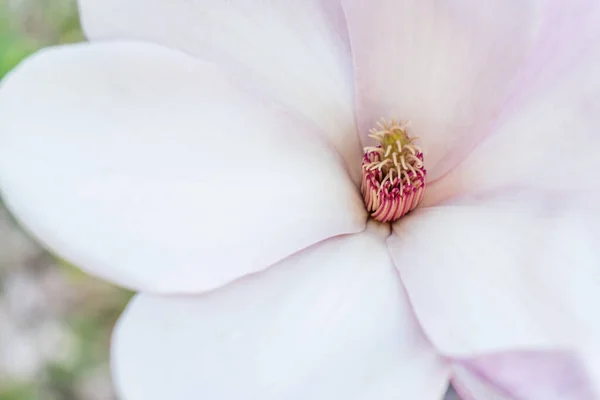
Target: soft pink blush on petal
523,375
504,271
568,31
547,137
471,387
448,66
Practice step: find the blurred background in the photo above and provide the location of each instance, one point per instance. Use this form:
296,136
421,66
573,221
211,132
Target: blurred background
55,322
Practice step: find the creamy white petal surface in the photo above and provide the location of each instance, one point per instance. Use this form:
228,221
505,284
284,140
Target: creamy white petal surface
447,66
331,322
297,51
510,270
160,172
548,136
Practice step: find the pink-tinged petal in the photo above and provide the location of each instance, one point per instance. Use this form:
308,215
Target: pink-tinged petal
331,322
448,66
297,51
471,387
157,171
516,270
523,375
548,136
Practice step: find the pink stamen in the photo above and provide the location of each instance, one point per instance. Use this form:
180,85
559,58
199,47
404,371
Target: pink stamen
393,188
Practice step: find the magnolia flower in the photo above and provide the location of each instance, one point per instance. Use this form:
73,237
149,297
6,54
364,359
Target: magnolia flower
211,155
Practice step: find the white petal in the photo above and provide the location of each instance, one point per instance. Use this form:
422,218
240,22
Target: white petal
297,51
514,271
331,322
160,172
448,66
519,270
471,387
523,375
547,137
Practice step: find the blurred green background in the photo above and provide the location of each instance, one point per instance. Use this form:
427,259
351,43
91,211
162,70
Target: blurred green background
55,322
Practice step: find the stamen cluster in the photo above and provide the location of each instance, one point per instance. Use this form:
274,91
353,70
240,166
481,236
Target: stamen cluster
393,174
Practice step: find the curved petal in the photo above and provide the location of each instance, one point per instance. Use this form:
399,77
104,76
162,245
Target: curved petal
297,51
471,387
159,172
548,137
523,376
331,322
448,66
512,271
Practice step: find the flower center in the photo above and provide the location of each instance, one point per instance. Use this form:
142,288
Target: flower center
393,175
